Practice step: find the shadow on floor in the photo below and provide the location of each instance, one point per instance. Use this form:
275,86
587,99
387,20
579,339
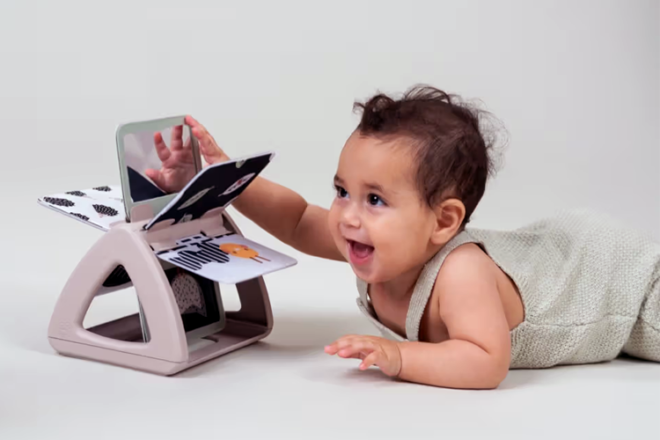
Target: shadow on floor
299,337
294,338
624,369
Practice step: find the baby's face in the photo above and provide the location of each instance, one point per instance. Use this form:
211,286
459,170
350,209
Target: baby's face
378,219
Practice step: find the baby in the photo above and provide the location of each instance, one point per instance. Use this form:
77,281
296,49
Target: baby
459,307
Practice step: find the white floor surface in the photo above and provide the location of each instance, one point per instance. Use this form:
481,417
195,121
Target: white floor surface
284,386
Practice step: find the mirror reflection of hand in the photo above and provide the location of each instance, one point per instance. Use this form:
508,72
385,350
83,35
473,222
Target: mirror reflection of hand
177,167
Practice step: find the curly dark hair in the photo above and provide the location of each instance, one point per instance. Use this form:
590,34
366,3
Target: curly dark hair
451,152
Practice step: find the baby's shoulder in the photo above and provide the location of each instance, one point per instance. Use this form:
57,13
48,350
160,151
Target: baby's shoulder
465,267
467,257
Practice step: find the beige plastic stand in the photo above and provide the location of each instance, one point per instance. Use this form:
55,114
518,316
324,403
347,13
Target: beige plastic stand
120,342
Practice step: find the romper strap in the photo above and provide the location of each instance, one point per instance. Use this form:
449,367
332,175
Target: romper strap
426,282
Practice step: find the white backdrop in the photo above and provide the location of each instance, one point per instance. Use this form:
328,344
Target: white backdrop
576,83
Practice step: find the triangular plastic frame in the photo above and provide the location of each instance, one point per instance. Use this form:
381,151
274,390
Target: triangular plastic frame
166,352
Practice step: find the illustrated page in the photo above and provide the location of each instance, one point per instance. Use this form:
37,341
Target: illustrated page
227,259
97,207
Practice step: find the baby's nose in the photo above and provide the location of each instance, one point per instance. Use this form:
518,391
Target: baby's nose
350,217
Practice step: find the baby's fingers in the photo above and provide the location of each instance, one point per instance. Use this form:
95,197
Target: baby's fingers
199,131
351,347
354,349
177,138
331,349
157,177
375,358
207,146
161,149
339,344
191,121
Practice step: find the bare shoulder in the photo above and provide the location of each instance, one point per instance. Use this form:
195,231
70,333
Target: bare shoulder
465,263
467,296
467,274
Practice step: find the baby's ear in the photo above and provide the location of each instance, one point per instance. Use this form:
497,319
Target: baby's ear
449,218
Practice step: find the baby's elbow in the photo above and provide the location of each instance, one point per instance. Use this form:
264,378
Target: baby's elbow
494,373
494,380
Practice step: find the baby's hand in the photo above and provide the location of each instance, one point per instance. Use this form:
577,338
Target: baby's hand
210,150
177,162
372,350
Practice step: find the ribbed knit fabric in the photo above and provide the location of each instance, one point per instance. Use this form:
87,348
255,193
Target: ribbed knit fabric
589,285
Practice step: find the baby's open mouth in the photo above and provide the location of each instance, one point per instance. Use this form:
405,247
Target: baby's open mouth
359,252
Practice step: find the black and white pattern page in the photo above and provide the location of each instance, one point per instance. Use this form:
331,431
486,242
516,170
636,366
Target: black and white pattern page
216,186
98,207
227,259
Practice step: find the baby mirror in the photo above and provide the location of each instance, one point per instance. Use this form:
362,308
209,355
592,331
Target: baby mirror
157,158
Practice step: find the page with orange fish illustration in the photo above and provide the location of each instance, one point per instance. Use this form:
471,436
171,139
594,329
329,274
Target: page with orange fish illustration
227,259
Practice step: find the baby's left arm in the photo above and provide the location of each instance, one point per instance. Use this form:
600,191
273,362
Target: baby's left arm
477,353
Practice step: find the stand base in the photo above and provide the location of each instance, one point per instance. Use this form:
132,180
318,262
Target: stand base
235,335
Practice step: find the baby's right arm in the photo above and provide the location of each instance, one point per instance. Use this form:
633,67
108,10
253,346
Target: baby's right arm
280,211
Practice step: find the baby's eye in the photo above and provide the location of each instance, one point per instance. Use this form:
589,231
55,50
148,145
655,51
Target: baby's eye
374,199
341,192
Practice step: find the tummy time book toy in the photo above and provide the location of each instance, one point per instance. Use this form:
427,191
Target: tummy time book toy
176,248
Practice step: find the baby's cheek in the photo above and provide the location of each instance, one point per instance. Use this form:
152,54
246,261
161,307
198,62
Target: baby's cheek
391,249
333,223
398,249
333,227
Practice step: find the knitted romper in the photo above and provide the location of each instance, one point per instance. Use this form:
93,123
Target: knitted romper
590,289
